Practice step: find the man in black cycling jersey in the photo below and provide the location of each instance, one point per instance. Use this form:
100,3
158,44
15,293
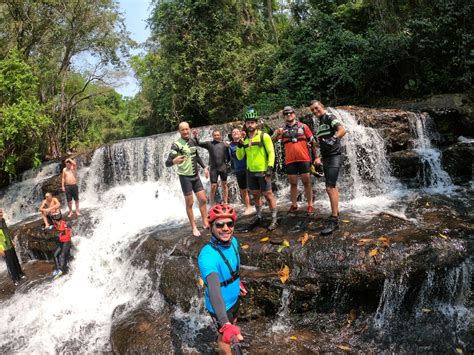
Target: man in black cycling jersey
218,157
329,134
184,154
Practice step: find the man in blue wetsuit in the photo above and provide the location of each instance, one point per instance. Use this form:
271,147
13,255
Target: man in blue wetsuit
219,264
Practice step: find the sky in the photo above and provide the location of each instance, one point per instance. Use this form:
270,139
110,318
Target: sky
135,13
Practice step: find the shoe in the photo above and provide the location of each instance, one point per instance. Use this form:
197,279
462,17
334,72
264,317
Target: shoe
16,283
331,225
57,274
248,211
273,225
310,210
22,277
293,209
48,228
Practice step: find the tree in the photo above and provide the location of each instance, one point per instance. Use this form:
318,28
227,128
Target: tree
22,119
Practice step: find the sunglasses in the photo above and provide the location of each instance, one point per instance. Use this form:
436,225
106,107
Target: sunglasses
229,224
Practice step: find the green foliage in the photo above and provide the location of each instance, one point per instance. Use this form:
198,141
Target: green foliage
22,122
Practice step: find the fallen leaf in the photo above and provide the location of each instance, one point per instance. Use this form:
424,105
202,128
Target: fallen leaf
304,239
284,274
427,204
279,250
444,236
344,348
383,238
293,337
364,241
346,234
245,246
286,243
201,282
345,221
373,252
265,239
459,351
426,310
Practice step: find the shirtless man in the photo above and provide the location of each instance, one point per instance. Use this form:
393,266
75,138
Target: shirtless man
49,207
69,185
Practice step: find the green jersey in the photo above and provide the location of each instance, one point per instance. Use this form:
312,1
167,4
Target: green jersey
188,148
259,151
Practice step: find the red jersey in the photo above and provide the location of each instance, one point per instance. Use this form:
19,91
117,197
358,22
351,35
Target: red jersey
64,232
295,139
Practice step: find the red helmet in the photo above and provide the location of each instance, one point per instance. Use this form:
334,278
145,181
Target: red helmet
221,211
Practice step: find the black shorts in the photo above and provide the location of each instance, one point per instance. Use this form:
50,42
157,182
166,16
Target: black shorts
331,166
72,192
257,181
51,217
241,179
190,184
214,174
300,167
232,314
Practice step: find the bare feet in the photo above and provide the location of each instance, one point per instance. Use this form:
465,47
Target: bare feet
69,215
196,232
77,213
206,226
248,211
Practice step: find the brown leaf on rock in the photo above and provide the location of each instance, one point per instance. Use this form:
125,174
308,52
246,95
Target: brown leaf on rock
245,246
344,347
284,274
304,239
364,241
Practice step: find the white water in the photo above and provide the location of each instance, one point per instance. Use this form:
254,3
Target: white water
78,307
22,199
432,176
282,323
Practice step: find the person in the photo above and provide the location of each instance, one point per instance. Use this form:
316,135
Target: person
184,154
63,245
258,148
239,169
329,134
218,157
7,250
69,185
50,207
219,266
296,136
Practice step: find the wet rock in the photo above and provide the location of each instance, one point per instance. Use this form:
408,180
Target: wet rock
406,164
458,161
141,331
180,281
36,272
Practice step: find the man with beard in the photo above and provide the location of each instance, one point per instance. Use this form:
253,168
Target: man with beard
296,137
329,134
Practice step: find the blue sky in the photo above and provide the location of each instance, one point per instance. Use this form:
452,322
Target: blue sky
135,13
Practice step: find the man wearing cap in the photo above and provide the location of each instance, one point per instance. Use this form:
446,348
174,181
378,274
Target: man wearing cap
296,137
257,147
329,134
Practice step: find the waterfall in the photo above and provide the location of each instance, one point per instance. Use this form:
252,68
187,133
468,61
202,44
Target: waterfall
431,176
128,189
436,303
282,323
21,199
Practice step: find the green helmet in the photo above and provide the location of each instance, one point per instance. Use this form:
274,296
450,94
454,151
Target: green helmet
251,115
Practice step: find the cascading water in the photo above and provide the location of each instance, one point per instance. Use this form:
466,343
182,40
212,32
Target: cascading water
74,312
431,176
22,198
437,304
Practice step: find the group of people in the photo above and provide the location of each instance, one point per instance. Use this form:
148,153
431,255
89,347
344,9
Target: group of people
50,210
252,156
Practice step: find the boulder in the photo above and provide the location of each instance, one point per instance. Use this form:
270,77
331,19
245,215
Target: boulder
405,164
458,161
